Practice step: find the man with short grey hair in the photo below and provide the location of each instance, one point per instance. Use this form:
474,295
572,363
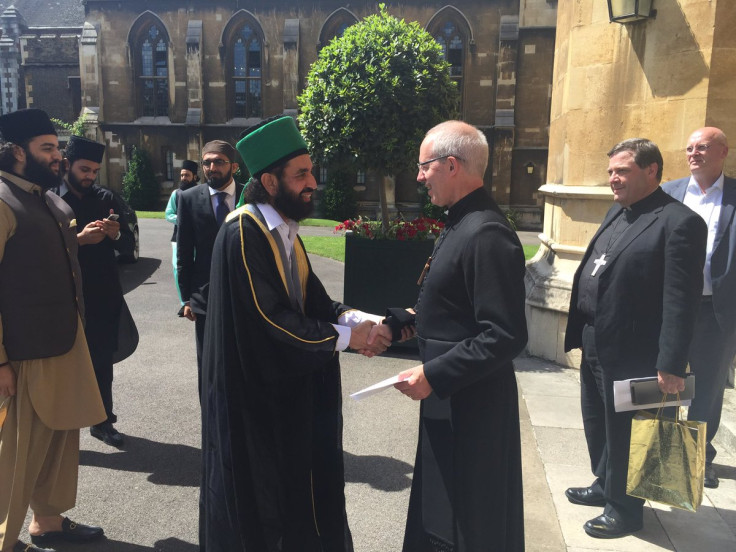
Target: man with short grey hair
713,196
466,492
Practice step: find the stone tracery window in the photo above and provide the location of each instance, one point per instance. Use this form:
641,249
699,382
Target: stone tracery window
152,53
335,25
245,79
452,30
453,46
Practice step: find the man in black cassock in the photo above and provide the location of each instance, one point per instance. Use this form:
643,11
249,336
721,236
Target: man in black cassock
466,494
271,400
99,237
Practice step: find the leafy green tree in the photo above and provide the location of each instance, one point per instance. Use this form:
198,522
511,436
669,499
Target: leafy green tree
338,199
140,187
75,129
373,93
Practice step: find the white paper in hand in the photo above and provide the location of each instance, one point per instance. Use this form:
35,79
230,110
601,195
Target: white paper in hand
375,388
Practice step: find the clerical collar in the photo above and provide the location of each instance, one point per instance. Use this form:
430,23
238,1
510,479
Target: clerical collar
645,205
475,200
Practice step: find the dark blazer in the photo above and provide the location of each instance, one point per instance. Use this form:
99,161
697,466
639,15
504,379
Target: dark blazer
648,293
723,263
196,232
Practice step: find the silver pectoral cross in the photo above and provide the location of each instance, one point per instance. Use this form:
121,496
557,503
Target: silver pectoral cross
598,263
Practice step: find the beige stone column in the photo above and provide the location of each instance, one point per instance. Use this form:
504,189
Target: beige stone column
659,79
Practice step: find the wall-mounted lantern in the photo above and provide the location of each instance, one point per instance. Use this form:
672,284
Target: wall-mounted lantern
629,11
529,167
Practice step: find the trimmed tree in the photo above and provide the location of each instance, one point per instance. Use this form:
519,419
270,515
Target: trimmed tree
373,93
140,187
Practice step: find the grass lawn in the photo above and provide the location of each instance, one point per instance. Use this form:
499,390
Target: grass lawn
334,247
151,214
319,222
325,246
306,222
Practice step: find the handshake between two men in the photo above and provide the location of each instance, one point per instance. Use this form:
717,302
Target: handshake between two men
370,338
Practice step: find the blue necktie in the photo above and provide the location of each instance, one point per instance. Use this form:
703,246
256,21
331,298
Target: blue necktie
221,208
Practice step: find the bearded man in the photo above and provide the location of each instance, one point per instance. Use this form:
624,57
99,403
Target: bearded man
99,238
188,177
272,470
201,210
47,384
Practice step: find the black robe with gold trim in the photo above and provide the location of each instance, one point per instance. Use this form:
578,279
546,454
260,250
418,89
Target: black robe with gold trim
272,473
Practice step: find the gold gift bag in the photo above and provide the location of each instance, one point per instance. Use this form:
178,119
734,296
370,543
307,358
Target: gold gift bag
667,460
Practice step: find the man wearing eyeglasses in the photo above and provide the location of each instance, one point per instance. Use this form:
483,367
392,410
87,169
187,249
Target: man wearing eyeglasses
713,196
466,491
201,212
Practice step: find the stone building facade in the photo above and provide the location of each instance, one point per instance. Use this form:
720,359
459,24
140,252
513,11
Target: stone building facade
171,75
39,56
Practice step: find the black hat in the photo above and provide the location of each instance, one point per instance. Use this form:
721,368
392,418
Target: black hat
190,166
21,126
82,148
220,146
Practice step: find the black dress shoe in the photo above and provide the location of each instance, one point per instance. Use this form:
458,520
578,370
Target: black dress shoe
586,496
23,547
107,433
70,532
711,479
606,527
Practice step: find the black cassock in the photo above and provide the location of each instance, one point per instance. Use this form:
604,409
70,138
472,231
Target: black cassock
272,474
466,494
105,307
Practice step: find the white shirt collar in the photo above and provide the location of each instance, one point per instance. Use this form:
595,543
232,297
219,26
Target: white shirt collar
274,220
693,186
229,189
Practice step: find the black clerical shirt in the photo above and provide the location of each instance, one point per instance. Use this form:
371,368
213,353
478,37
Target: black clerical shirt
602,254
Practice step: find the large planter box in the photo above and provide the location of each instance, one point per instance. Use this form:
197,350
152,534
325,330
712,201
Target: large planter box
383,273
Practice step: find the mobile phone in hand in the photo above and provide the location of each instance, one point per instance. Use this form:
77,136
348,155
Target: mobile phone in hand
113,216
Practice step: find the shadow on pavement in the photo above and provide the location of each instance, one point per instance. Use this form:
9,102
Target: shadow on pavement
172,544
135,274
176,465
380,472
723,471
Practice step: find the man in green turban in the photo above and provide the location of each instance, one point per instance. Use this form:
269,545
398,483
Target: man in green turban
271,410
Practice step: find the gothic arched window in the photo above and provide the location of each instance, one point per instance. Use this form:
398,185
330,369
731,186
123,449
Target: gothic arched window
451,29
453,46
151,50
245,73
335,25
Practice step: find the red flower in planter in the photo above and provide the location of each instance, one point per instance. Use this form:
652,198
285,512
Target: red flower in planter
421,228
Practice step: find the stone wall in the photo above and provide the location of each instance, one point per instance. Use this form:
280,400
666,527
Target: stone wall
661,79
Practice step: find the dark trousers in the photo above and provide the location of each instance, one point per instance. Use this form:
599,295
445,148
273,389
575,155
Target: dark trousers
711,355
607,433
102,361
199,335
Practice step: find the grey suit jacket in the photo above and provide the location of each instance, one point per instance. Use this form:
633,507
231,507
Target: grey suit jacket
723,261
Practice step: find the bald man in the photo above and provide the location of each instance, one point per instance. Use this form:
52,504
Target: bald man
712,195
